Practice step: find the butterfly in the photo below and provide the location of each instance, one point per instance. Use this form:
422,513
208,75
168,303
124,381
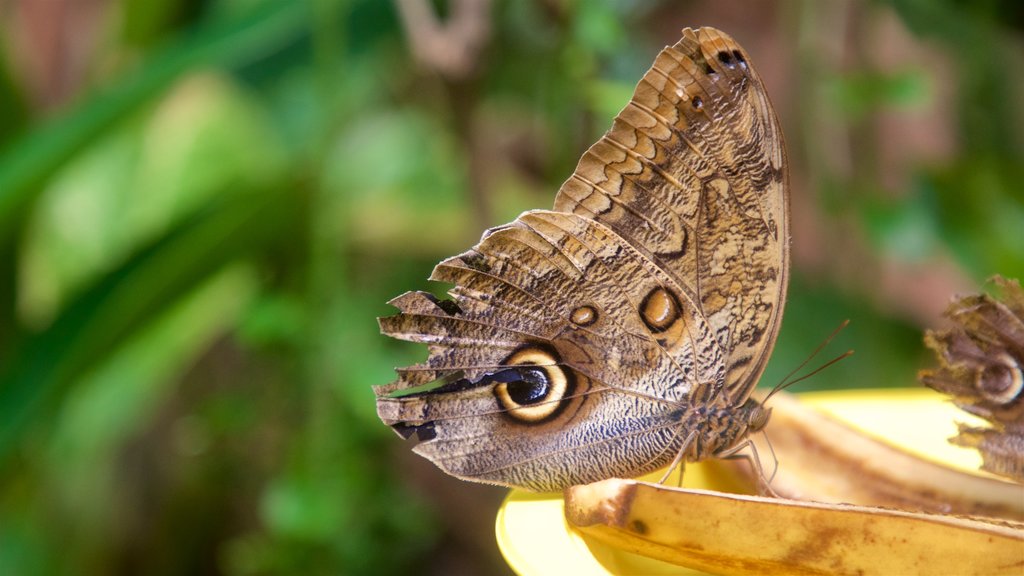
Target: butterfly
981,366
625,328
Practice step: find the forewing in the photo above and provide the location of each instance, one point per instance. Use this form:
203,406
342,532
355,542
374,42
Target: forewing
693,175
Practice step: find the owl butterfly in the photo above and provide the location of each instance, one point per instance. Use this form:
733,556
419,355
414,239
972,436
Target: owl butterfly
628,325
981,365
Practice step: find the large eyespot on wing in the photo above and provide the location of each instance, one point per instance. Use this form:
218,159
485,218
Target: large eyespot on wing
541,389
565,282
549,374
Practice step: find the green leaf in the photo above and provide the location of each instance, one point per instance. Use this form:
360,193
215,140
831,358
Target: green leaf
124,394
126,300
29,162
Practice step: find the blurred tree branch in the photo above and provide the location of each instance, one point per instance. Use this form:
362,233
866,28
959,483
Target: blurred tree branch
452,48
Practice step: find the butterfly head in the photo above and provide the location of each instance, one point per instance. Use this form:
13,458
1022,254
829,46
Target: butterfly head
757,416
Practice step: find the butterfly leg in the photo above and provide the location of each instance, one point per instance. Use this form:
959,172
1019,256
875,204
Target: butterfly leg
764,484
679,460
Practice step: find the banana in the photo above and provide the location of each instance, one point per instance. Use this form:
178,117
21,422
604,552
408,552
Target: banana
907,515
737,534
825,460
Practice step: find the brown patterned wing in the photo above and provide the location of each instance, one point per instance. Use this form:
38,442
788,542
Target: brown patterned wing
693,175
547,358
981,366
592,341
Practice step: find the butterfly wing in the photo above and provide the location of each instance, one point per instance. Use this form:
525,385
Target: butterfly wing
577,338
548,358
693,174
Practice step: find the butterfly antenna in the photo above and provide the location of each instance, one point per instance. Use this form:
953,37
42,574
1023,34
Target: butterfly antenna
786,382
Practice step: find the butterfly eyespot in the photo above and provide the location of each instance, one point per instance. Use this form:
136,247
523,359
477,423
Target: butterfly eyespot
697,103
1001,382
530,390
538,393
727,58
583,316
659,310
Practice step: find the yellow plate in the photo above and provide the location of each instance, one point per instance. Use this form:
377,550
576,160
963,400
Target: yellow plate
535,539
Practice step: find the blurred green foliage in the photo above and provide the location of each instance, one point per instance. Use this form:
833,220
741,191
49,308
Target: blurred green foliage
194,249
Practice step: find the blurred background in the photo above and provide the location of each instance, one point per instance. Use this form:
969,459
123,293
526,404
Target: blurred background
205,204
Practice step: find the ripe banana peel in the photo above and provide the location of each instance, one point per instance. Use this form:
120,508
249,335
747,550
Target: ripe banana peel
735,534
903,514
824,460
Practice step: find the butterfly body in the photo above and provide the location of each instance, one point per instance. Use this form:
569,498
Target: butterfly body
628,325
